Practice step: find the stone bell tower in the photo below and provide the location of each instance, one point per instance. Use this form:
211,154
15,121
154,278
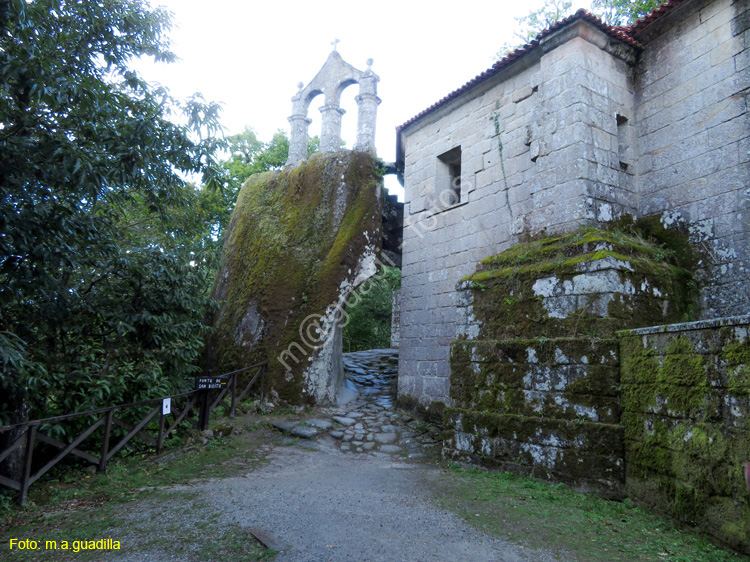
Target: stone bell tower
331,80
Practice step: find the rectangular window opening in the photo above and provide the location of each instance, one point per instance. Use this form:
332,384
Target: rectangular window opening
449,175
623,142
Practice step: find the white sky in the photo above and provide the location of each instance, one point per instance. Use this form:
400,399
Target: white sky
251,55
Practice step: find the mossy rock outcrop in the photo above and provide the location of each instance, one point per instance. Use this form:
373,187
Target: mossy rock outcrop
300,240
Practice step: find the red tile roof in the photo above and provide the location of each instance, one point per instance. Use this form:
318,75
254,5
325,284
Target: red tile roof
622,33
660,11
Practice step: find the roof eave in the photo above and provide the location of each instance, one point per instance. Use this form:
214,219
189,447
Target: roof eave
544,37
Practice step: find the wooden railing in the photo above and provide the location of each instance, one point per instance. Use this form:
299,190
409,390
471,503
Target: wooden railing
204,400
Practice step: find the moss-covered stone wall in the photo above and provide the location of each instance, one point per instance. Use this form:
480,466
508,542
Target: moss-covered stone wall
574,379
545,407
590,282
298,243
545,381
686,416
535,380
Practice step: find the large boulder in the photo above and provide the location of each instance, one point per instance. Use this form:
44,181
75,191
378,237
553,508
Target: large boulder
299,242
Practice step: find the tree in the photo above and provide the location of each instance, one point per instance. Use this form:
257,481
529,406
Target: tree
613,12
99,301
247,156
623,12
369,316
244,150
533,23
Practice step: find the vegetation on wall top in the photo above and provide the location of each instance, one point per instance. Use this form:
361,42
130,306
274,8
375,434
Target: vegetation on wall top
644,253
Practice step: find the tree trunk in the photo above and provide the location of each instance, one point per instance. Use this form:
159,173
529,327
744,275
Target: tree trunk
13,402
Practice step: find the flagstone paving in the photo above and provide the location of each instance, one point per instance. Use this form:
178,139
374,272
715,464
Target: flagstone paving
369,424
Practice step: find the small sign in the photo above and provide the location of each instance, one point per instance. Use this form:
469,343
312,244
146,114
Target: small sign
166,406
208,383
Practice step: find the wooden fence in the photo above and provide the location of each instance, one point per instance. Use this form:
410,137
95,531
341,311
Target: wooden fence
211,393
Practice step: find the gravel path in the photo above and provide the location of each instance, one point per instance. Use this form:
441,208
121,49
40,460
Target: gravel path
322,505
353,484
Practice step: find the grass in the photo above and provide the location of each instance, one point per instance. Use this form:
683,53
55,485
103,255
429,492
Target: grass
132,504
137,504
578,527
171,524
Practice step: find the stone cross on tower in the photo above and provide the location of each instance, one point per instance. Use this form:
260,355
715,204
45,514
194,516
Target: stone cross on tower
331,80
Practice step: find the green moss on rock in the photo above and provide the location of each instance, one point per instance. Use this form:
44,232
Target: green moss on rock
525,377
585,455
295,235
658,282
737,357
676,433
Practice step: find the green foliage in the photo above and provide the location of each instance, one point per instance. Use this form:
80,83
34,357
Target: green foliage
244,148
104,249
613,12
249,155
369,311
533,23
622,12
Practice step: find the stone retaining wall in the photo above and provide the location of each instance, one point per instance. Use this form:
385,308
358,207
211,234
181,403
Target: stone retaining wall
686,416
535,380
549,408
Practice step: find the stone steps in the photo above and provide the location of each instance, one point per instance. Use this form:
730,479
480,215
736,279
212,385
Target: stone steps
369,424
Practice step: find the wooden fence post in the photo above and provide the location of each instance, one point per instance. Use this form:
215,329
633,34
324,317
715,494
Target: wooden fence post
28,456
105,444
160,439
262,382
204,413
234,396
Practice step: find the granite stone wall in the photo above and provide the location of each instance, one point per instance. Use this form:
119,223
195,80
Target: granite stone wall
548,408
686,416
538,153
693,139
535,378
396,320
581,129
545,382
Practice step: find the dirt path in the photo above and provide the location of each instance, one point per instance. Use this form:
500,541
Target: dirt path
361,489
322,505
352,483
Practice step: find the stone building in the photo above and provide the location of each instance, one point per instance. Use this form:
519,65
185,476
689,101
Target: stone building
586,123
566,212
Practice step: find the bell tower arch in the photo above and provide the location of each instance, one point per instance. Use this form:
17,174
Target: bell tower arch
331,80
